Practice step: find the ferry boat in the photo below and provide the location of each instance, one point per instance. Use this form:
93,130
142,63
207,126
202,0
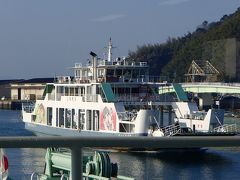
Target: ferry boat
109,97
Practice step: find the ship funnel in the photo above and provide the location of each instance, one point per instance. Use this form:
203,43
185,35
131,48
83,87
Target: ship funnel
93,54
94,66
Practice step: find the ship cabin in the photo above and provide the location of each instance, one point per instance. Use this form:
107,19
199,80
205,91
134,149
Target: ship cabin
108,81
111,71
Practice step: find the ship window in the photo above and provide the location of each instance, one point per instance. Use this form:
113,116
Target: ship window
76,91
82,91
49,116
135,73
68,116
66,91
96,120
89,120
77,73
127,73
74,119
61,117
33,118
126,127
61,89
81,118
60,92
135,90
119,72
142,72
110,72
71,91
100,72
98,89
89,90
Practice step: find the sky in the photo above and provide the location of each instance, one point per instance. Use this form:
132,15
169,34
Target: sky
44,38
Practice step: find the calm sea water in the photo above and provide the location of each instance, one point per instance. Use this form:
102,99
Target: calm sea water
218,163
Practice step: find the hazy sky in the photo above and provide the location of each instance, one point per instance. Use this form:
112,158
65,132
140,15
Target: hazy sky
43,38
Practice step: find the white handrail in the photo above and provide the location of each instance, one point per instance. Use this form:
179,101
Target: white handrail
64,176
34,173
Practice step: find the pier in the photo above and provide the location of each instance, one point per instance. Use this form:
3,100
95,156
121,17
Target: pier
77,143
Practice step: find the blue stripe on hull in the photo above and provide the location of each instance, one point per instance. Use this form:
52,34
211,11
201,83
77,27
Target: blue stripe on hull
54,131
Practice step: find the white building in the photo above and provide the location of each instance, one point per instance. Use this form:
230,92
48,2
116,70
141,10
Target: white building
31,89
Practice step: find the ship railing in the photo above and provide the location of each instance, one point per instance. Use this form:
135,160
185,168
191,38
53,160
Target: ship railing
61,96
122,63
228,128
77,65
126,79
131,79
28,107
171,130
128,97
126,116
122,116
76,144
81,80
63,79
136,97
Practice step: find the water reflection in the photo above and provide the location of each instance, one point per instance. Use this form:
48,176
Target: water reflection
23,162
173,165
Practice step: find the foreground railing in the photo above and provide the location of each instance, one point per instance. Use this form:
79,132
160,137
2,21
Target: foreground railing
77,143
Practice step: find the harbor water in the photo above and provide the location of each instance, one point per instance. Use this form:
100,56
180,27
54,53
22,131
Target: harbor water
214,163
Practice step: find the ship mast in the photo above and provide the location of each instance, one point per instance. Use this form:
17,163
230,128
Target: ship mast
110,47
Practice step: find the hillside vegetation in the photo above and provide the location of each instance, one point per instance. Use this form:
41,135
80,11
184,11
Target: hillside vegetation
173,58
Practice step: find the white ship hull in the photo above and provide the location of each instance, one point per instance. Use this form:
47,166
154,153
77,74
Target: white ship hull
39,129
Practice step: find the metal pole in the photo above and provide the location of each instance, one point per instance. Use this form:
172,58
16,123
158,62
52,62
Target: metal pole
161,117
76,163
169,115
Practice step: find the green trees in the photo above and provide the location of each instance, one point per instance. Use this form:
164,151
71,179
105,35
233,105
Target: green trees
173,57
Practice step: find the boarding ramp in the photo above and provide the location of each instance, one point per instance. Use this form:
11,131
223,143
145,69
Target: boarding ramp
107,90
181,95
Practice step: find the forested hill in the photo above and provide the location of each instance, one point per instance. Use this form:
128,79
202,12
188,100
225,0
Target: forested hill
172,58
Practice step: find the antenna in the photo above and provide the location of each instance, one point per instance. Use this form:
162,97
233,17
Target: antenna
110,47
